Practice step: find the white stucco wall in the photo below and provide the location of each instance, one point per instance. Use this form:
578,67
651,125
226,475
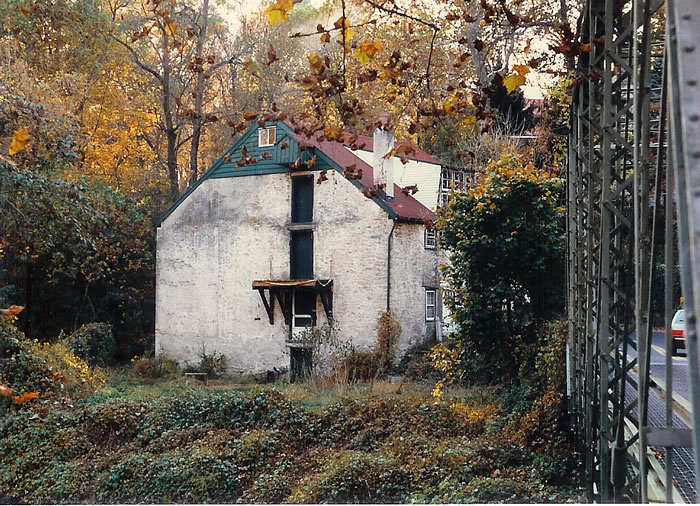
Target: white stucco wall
232,231
413,269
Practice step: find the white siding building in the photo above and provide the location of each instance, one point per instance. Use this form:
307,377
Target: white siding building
286,232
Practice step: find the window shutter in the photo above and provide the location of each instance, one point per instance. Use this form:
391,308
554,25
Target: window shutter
302,199
302,254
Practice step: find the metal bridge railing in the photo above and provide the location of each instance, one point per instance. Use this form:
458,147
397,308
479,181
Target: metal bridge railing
633,197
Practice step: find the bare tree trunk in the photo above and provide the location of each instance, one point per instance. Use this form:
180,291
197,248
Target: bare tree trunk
198,120
170,128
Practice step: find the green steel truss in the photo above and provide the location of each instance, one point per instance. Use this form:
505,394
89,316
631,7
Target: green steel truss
634,154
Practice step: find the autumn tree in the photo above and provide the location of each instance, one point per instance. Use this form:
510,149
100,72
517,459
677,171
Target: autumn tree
73,253
506,245
446,59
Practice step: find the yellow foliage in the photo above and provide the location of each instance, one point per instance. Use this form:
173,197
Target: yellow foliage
20,140
170,28
507,171
74,372
279,11
446,361
517,79
315,62
469,120
349,34
513,81
477,414
367,50
345,25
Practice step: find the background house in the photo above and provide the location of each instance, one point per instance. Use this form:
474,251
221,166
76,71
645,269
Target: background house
285,232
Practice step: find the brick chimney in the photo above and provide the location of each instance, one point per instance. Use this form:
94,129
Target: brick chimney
384,166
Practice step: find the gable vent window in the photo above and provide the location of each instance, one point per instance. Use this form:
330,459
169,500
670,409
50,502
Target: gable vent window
430,239
430,303
267,136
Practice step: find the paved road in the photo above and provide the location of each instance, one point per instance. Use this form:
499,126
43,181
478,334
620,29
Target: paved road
683,469
658,364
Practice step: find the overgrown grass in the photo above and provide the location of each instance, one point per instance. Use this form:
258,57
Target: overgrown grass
160,441
156,440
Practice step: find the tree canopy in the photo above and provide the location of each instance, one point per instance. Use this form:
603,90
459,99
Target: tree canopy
506,247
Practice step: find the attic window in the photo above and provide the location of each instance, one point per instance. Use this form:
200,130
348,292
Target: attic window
266,136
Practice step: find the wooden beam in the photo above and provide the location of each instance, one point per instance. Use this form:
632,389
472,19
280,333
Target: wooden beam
269,306
327,301
284,297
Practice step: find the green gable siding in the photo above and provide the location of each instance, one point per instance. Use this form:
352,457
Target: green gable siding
277,164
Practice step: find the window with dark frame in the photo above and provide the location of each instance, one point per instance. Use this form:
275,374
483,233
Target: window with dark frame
430,304
301,253
267,136
430,238
302,199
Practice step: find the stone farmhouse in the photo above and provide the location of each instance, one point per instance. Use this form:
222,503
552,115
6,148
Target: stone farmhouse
286,232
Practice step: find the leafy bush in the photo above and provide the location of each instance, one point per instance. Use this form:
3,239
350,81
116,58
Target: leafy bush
51,371
416,364
388,332
212,364
504,237
94,343
258,446
356,477
366,365
362,365
89,255
150,368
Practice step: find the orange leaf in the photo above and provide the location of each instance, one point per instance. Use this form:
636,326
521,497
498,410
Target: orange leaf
12,310
19,399
249,116
367,50
20,140
170,28
522,70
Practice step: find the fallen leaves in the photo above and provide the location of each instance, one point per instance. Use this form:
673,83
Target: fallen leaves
20,140
19,399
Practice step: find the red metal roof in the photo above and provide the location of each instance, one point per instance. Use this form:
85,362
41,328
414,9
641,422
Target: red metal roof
418,155
407,207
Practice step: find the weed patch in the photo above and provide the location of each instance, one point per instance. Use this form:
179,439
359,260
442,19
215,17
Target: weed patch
209,446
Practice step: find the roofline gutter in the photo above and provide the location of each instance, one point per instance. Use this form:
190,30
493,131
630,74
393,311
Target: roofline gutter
388,265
